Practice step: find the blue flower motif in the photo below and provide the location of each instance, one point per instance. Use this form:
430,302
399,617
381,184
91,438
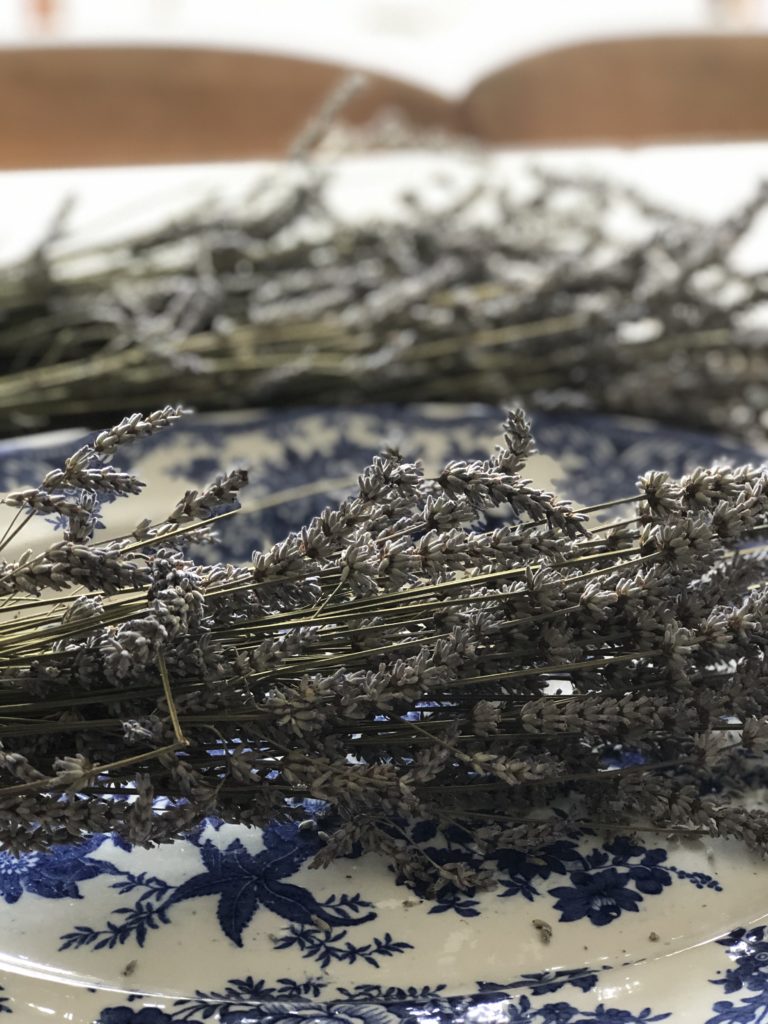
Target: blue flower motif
517,1014
518,870
622,850
435,1010
125,1015
732,941
644,872
11,888
749,950
613,1015
557,1013
53,875
601,897
750,1011
649,877
650,881
335,1013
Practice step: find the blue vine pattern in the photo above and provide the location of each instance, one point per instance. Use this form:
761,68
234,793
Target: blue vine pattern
748,949
505,1011
334,947
242,883
248,1002
547,982
245,1001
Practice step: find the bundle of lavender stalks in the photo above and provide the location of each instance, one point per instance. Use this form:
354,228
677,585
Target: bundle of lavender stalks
396,660
480,292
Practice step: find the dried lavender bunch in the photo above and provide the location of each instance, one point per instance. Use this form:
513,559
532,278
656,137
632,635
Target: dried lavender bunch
491,295
397,661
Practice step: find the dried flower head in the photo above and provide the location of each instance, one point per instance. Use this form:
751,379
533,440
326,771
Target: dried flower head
394,660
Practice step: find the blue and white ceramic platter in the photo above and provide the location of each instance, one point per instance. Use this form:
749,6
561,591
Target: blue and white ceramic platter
230,926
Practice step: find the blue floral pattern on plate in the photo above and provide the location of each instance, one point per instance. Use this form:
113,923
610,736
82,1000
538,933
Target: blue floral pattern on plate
748,949
604,881
248,1002
309,458
241,882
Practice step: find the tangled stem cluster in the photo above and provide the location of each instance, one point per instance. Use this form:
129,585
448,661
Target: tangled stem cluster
396,659
492,292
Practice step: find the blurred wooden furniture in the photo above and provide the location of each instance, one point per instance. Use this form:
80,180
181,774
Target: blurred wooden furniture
79,107
662,89
99,106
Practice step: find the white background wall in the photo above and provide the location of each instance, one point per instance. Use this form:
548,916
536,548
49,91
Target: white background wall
442,44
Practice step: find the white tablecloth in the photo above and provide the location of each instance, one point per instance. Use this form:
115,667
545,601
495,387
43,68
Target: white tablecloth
705,180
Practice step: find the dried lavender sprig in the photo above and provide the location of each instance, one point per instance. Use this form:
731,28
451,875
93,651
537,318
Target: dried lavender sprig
134,427
95,478
484,675
200,505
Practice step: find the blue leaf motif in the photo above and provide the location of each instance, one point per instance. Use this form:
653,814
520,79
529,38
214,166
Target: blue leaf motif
244,881
235,910
290,903
545,982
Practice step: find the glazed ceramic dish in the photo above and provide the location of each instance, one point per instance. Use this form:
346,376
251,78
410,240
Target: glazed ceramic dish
230,925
